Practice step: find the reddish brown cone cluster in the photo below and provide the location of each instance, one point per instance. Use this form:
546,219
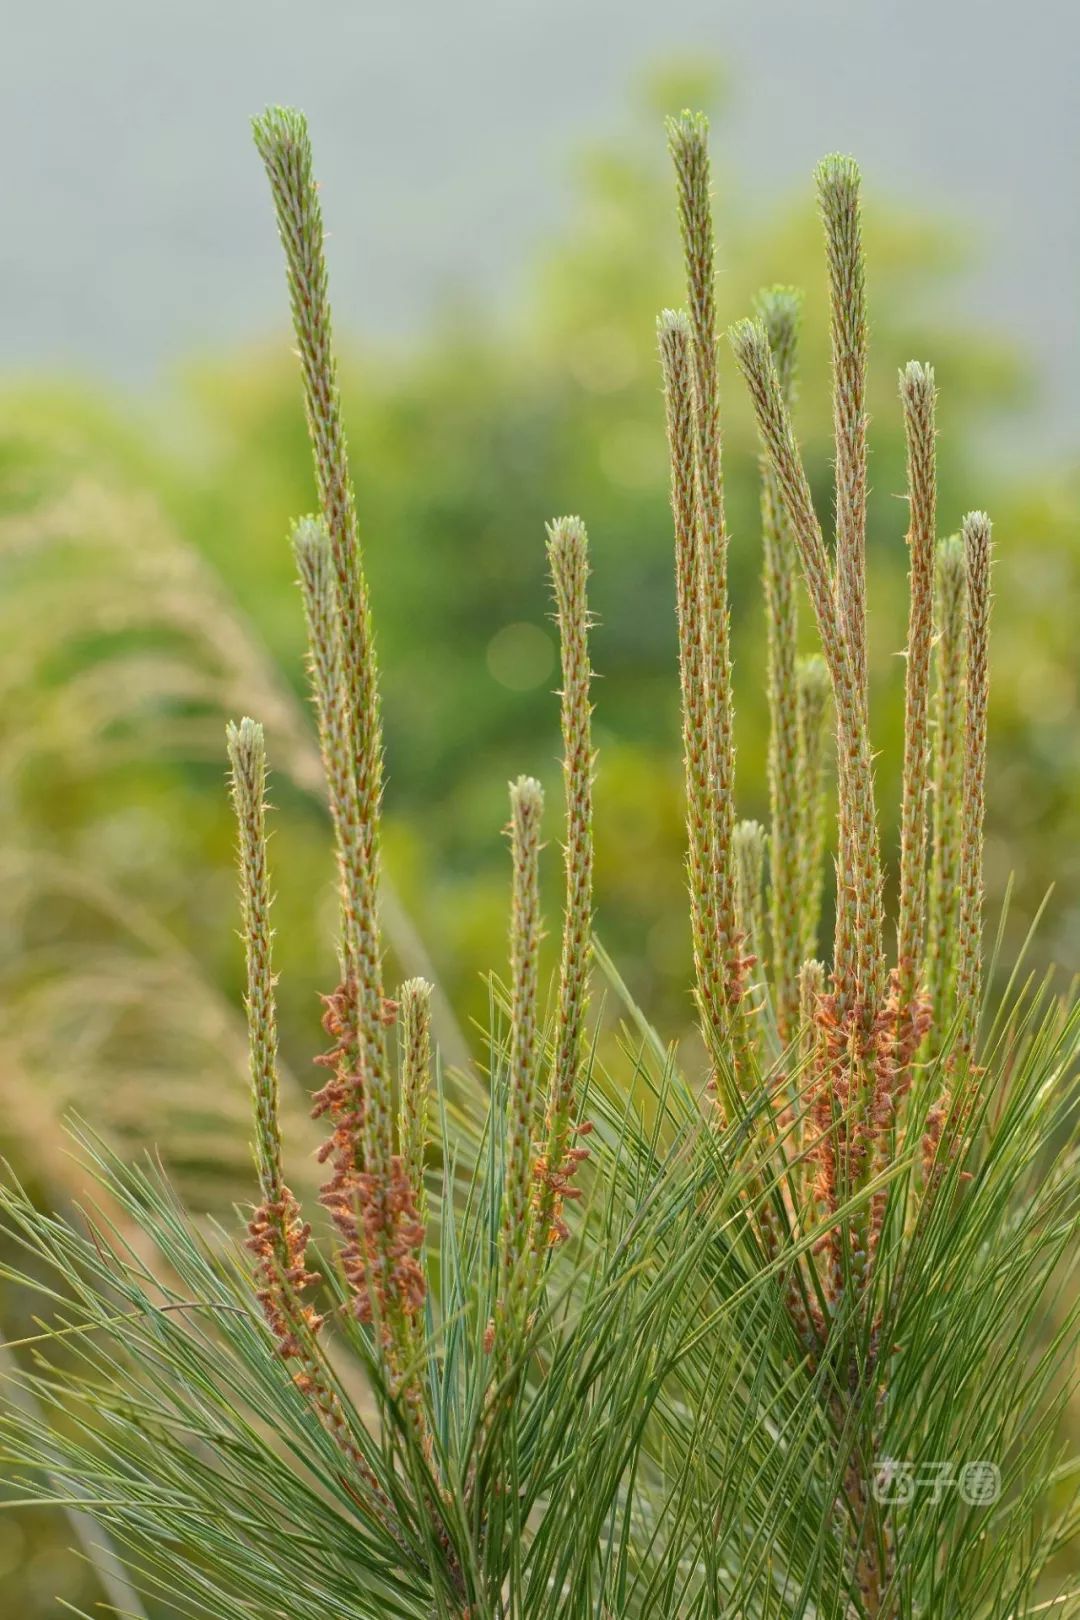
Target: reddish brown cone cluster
341,1100
554,1186
913,1020
376,1218
393,1242
854,1094
278,1237
741,964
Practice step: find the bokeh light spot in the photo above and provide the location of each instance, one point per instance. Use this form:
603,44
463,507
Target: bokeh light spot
521,656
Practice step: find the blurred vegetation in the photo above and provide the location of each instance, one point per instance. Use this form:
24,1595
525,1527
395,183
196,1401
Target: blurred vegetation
147,591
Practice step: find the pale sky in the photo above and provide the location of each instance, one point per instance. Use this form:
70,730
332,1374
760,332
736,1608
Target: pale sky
135,225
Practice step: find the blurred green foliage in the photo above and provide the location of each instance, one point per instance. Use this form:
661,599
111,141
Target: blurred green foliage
118,959
461,452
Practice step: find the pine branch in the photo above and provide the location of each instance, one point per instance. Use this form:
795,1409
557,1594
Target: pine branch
860,984
414,1102
362,989
812,679
278,1235
852,1102
918,395
688,143
779,311
816,1115
976,532
811,990
247,759
281,137
368,1193
569,564
838,184
676,355
750,845
526,810
949,709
